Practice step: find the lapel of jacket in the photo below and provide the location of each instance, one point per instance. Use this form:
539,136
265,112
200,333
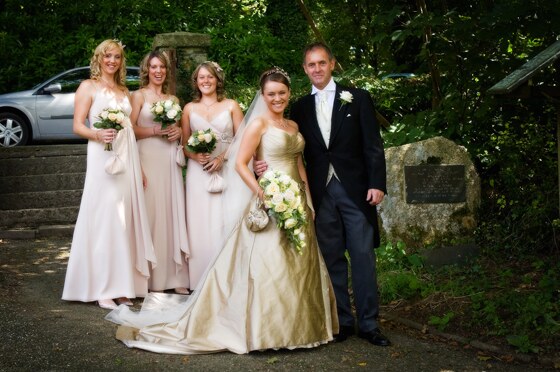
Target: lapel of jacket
339,111
311,112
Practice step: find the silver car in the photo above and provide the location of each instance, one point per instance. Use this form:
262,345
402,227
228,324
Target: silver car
46,111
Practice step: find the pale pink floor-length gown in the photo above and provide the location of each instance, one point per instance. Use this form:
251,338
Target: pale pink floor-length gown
204,208
112,246
165,203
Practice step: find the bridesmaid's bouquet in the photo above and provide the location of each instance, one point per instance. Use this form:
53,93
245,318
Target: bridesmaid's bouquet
166,112
110,119
202,141
282,197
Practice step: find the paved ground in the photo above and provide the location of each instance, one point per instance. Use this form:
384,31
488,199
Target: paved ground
39,332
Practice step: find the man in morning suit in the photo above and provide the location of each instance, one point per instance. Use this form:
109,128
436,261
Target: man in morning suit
345,163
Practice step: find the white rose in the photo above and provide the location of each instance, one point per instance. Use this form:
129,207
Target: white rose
112,116
159,109
104,114
346,96
285,179
277,199
208,137
190,141
289,195
168,104
269,175
290,222
271,189
176,107
301,235
120,117
200,137
171,114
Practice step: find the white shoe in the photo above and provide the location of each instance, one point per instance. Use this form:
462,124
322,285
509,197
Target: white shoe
107,304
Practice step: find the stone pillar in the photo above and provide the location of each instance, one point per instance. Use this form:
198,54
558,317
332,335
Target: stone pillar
186,50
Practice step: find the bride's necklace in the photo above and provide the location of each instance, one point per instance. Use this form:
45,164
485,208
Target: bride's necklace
282,124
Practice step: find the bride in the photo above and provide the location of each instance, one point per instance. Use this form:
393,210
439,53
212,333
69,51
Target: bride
259,293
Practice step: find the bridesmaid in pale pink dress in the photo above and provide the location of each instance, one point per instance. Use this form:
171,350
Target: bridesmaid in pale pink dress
165,199
112,246
208,109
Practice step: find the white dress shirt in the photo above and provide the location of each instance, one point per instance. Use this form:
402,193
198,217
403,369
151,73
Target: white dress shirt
325,119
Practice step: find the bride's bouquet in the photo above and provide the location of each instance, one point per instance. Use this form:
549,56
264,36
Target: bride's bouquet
202,141
110,119
166,112
282,197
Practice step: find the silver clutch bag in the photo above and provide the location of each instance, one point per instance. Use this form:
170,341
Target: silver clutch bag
257,218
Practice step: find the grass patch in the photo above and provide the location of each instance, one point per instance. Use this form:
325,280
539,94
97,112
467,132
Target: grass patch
501,300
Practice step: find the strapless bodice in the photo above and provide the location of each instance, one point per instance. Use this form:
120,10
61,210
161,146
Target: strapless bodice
280,149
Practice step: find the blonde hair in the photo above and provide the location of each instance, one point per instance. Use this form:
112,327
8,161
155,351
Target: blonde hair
217,72
97,59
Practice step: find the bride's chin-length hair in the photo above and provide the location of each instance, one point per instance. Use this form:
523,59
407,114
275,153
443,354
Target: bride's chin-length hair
97,60
145,69
217,72
274,74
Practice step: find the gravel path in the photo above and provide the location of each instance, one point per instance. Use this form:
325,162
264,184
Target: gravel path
39,332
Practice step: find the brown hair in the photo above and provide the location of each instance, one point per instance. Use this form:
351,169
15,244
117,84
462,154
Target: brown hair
217,72
274,74
317,45
145,69
97,59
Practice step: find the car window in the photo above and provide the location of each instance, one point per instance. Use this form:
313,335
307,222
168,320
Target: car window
69,82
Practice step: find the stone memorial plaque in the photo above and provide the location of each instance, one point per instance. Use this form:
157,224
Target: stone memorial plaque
435,184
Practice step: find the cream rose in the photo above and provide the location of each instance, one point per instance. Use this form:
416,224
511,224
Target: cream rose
280,207
289,223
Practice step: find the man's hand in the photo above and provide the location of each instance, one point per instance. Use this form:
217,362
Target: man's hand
259,167
374,196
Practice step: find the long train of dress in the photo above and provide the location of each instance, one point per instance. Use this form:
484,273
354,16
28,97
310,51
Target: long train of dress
259,293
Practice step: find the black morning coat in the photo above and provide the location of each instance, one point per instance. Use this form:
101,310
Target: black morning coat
355,149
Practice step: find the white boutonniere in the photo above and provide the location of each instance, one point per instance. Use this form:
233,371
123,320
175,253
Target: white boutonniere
345,97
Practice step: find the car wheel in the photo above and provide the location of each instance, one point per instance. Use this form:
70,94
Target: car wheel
13,130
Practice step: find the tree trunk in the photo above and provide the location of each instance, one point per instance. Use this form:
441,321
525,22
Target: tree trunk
434,71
